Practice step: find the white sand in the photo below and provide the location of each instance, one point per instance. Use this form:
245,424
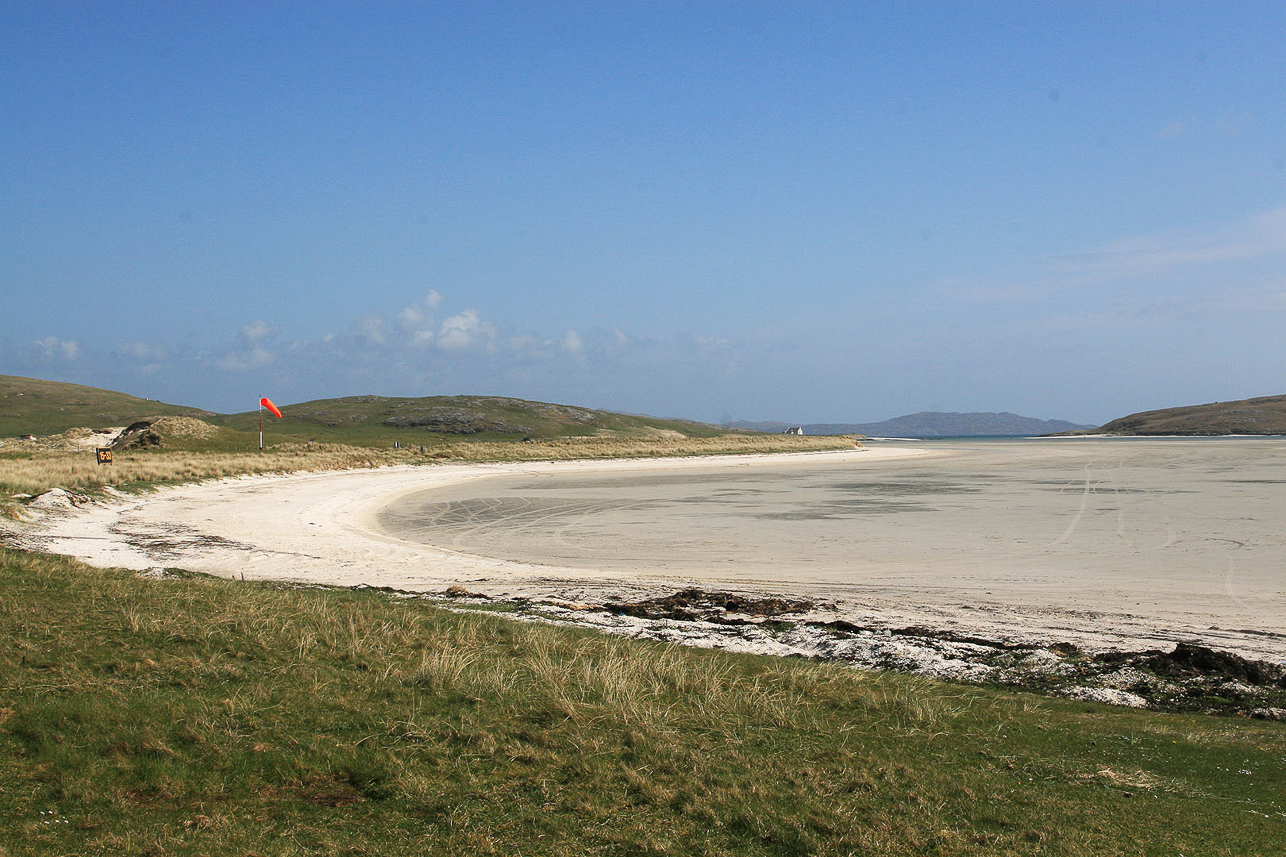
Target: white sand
321,527
1105,544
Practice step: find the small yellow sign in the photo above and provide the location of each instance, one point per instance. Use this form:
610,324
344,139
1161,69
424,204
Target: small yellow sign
104,455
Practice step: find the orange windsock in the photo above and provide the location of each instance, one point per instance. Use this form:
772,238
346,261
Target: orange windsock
267,403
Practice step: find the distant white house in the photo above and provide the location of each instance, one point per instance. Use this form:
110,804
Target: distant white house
794,430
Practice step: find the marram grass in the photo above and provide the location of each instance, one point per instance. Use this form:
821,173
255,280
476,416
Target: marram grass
33,472
207,716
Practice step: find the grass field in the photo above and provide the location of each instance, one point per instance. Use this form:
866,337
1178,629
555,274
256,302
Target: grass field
212,717
34,406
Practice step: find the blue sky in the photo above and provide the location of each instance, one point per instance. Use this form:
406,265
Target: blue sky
813,212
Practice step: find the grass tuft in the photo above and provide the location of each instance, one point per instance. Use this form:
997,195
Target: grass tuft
196,715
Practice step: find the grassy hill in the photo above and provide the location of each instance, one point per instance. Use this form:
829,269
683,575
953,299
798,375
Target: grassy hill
33,406
1264,415
29,406
171,445
363,420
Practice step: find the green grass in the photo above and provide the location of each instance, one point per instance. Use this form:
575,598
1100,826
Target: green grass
33,406
207,716
367,420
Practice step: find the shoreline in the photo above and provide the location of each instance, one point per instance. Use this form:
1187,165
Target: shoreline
321,529
320,526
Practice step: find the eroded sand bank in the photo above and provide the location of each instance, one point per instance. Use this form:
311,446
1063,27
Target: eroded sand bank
1107,544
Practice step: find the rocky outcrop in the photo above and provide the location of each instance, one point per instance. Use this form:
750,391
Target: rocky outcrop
452,421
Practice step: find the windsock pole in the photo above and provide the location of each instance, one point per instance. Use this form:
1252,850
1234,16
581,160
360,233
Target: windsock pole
265,402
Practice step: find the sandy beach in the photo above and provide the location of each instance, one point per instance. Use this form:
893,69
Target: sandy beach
1124,544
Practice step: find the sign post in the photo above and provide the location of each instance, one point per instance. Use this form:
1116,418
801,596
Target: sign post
104,454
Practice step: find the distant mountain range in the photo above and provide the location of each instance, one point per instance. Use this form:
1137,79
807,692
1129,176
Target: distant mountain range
1265,415
933,424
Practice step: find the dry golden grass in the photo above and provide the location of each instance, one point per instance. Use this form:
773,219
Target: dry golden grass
640,447
79,471
183,427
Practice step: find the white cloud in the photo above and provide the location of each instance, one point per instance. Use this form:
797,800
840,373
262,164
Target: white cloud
144,352
713,343
524,342
148,358
251,351
243,360
417,320
53,348
410,353
1170,262
1256,237
369,329
258,331
466,331
412,317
